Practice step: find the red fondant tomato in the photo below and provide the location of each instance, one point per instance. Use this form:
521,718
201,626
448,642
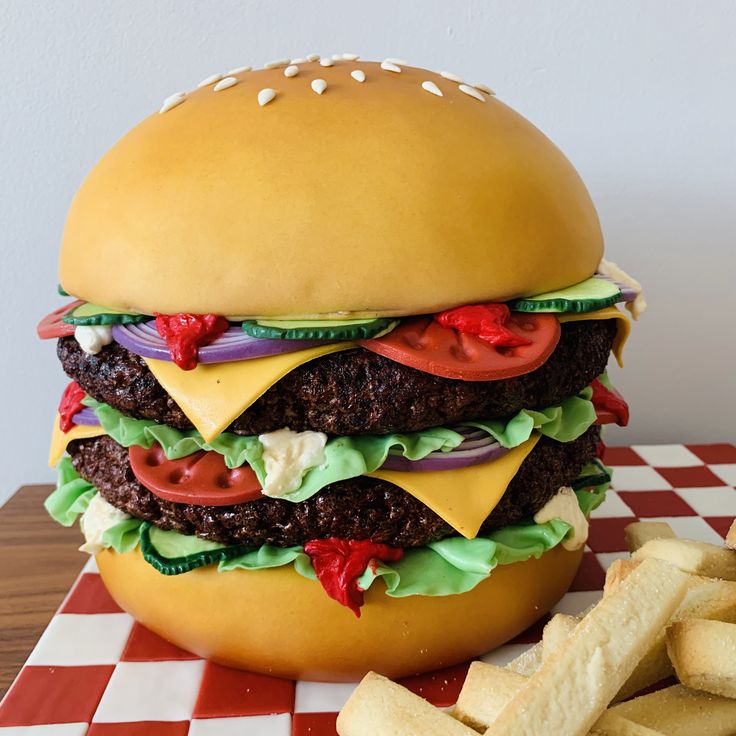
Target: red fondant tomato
51,326
610,406
201,479
423,343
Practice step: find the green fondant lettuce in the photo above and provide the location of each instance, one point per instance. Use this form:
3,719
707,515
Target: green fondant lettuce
349,457
72,494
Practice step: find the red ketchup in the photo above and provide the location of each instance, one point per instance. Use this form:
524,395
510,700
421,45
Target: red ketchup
487,321
609,405
186,333
340,562
70,405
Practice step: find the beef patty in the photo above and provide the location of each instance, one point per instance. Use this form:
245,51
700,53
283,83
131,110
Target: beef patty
355,391
359,508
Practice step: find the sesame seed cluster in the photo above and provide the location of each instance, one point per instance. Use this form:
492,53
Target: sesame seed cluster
291,67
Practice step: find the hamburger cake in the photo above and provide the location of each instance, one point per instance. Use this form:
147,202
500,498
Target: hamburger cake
338,353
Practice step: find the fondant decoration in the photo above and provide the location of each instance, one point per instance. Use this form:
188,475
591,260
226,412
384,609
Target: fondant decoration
424,344
231,345
353,329
587,296
70,404
52,325
186,333
201,478
610,406
93,314
487,321
338,563
623,327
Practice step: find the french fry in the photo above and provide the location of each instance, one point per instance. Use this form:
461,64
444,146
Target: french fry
559,627
704,655
699,558
679,711
573,686
714,599
639,533
486,691
380,706
527,663
609,724
618,571
731,536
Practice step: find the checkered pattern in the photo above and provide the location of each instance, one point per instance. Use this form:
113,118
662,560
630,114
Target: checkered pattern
97,672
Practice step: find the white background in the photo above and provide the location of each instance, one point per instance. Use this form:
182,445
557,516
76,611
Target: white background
641,95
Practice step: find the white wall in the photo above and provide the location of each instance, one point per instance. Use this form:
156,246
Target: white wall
639,94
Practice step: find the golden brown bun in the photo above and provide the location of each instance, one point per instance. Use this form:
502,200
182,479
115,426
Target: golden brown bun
374,197
278,622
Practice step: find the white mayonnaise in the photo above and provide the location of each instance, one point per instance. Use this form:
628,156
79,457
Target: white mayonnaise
287,456
92,338
565,507
99,516
610,269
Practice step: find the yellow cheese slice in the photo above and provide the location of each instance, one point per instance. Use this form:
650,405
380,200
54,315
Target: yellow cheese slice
623,327
59,439
463,497
213,395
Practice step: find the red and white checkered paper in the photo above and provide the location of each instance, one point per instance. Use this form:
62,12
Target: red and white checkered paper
96,672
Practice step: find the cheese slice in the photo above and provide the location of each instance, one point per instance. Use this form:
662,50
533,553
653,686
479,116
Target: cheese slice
623,326
463,497
59,439
212,395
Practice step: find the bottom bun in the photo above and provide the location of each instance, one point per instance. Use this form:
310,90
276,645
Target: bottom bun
280,623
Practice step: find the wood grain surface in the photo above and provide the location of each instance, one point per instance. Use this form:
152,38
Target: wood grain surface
38,563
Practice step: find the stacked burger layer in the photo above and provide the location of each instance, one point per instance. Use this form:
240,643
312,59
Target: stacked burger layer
344,346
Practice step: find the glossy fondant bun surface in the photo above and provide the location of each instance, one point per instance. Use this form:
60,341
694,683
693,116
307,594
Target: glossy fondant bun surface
280,623
374,197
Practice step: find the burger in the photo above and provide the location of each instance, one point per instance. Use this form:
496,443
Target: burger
338,353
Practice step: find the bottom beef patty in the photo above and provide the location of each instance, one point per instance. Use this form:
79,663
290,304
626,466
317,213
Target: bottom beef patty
359,508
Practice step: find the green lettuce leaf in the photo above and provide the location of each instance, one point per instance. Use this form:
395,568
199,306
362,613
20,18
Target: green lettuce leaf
72,494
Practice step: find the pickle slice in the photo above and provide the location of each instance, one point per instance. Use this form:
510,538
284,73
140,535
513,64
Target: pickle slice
349,329
587,296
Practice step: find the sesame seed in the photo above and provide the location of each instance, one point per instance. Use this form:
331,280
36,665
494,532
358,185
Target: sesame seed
312,57
472,91
432,88
319,86
265,96
326,62
239,70
484,88
300,60
291,71
336,57
210,80
351,57
358,75
390,67
452,77
398,62
225,84
277,63
172,101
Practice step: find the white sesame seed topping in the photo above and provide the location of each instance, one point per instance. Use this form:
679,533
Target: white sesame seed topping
452,77
326,62
291,71
390,67
432,87
351,57
358,75
265,96
300,60
225,84
472,91
172,101
239,70
210,80
398,62
277,63
336,57
484,88
312,57
319,86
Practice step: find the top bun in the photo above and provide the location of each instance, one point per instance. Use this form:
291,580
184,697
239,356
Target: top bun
375,197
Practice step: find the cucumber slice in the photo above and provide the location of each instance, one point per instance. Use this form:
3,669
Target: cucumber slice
61,291
347,329
594,473
93,314
173,554
587,296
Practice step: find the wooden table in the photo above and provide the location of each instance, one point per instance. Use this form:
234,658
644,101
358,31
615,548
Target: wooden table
38,562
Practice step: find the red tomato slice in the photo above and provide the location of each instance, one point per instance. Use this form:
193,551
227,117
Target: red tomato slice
424,344
51,325
202,479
